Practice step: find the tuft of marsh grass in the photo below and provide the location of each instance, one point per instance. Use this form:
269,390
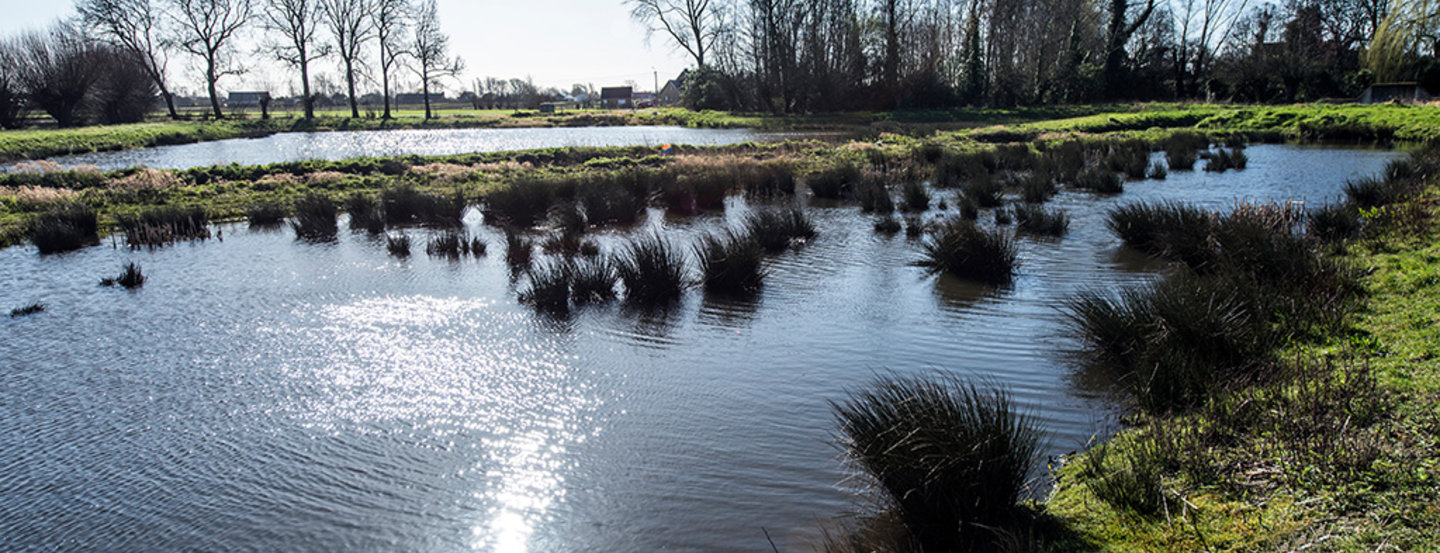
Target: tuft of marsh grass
521,204
887,224
653,270
164,225
1003,217
130,278
27,310
960,248
950,457
453,244
1171,230
64,228
916,197
1158,171
874,197
915,226
954,169
1223,159
315,218
1036,187
365,213
1335,222
265,215
398,245
548,286
518,248
593,281
1100,179
730,261
985,193
778,229
1368,193
1042,221
835,183
969,209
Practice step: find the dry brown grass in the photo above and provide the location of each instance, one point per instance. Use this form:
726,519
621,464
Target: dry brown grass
31,198
445,173
146,179
324,178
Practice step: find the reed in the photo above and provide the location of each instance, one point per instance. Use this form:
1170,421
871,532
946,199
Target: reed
960,248
518,248
1100,179
653,270
1335,222
453,244
1041,221
548,286
887,224
779,229
521,204
955,169
1167,229
986,193
1367,193
915,226
265,215
916,197
365,213
874,197
64,228
27,310
731,262
835,183
1003,217
1158,171
593,281
398,245
315,217
164,225
951,458
1037,187
1223,159
130,278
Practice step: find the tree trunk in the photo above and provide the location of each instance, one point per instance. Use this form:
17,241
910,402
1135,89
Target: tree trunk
210,79
425,87
350,82
385,88
169,103
309,99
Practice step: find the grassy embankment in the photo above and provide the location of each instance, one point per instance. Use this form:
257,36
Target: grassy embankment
228,191
1338,454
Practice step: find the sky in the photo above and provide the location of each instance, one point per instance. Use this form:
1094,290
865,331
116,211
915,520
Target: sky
555,42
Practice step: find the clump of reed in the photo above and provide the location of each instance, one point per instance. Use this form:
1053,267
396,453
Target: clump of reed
1171,230
398,245
653,270
404,205
771,180
130,278
955,169
454,244
365,213
611,203
916,197
695,192
518,248
1182,148
915,226
1003,217
1065,161
1131,157
66,227
27,310
548,286
874,197
1158,171
1368,193
160,226
836,182
522,203
887,224
1039,220
593,280
779,229
950,457
1334,222
986,193
315,217
1223,159
265,215
960,248
1013,157
731,261
1100,179
1036,187
967,206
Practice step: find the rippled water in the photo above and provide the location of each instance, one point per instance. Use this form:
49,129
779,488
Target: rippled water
339,145
263,394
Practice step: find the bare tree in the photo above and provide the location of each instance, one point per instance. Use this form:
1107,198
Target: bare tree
205,29
431,50
351,27
134,26
1118,30
57,70
694,25
297,22
12,97
390,19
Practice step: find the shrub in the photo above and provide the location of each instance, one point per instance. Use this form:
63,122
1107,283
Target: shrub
960,248
265,215
165,225
951,458
67,227
731,261
1037,219
653,270
315,218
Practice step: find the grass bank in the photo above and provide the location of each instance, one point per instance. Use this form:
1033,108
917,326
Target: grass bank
1337,454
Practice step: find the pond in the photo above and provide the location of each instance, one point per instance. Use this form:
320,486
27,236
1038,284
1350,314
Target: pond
337,145
264,394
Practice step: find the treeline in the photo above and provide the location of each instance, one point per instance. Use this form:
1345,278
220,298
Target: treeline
834,55
109,63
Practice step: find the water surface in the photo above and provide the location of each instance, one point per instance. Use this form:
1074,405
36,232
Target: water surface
338,145
264,394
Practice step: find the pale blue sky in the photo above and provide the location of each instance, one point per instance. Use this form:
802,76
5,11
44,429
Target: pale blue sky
557,42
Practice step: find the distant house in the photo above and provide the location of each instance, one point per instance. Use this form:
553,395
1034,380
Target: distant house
418,97
673,93
644,99
1405,93
248,99
556,107
618,97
